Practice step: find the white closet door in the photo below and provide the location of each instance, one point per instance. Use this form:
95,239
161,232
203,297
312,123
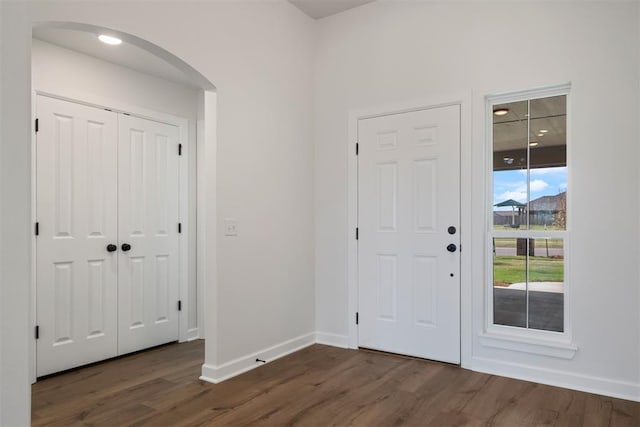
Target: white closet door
148,224
77,214
409,215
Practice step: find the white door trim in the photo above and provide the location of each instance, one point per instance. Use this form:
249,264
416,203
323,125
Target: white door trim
119,107
464,101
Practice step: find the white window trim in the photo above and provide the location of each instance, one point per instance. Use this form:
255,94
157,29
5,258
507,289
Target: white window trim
540,342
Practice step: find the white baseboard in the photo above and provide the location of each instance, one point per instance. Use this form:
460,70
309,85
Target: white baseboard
334,340
216,374
587,383
192,334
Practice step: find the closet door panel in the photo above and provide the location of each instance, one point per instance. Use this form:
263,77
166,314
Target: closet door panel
148,233
76,210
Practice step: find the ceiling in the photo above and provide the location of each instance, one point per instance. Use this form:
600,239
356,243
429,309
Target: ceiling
318,9
547,124
532,134
126,54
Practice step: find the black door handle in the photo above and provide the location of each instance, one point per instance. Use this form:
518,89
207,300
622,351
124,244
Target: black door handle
111,247
125,247
452,247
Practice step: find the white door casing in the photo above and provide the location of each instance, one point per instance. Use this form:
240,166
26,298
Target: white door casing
148,222
408,197
76,186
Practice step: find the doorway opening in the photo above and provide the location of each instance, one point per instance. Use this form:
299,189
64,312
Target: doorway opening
461,105
131,85
408,233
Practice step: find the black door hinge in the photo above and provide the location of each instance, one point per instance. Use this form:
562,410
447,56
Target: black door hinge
179,149
357,148
357,318
179,305
37,332
357,233
37,228
37,125
179,227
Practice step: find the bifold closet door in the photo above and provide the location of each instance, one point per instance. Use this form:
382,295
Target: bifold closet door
148,233
77,213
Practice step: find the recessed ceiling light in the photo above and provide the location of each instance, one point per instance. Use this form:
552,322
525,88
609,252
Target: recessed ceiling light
109,39
500,111
541,134
543,131
533,144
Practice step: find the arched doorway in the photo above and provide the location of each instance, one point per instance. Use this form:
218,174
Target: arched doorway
205,146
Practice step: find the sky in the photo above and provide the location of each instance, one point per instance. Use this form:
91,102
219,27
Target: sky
513,184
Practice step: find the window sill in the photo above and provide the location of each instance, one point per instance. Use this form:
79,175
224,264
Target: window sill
527,345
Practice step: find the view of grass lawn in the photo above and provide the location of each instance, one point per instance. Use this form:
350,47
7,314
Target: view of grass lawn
540,243
511,269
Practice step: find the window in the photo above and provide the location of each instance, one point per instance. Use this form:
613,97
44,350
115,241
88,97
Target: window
529,211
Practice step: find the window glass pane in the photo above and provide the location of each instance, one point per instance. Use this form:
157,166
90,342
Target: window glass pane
529,194
546,285
510,130
509,283
548,163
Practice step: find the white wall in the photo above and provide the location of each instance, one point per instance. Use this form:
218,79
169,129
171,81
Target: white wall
395,51
259,57
15,228
2,34
71,74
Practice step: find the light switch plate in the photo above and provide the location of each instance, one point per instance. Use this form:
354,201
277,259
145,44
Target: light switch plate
230,227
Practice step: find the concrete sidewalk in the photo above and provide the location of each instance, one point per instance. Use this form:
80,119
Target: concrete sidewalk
546,309
555,287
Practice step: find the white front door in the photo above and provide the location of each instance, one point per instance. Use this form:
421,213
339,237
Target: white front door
148,233
77,214
408,220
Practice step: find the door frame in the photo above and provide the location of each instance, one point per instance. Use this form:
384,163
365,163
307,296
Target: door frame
182,124
463,100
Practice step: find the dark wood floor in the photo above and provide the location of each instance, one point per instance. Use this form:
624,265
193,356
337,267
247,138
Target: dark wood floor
318,386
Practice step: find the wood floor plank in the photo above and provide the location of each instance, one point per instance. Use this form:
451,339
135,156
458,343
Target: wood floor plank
317,386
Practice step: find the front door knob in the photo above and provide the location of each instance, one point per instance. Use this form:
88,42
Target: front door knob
126,247
452,247
111,247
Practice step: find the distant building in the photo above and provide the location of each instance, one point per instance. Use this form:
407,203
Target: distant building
545,210
548,210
